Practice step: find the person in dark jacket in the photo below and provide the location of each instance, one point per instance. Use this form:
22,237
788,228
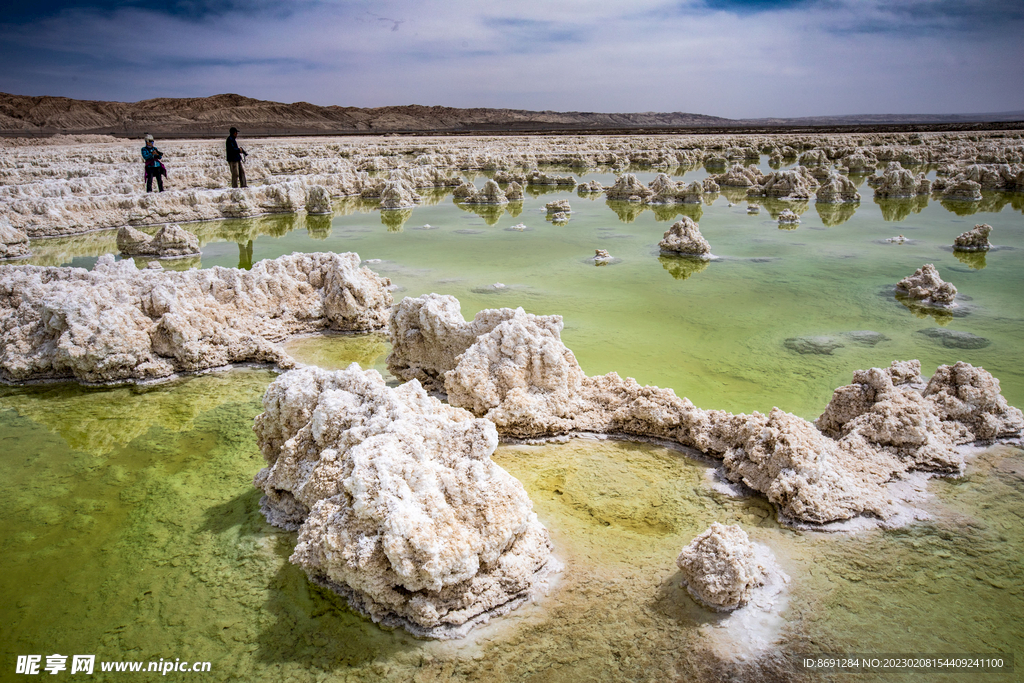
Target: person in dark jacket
154,167
235,154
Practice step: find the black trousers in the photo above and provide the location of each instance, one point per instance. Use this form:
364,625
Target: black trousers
158,173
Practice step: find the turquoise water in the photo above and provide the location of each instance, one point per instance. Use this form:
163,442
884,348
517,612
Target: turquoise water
131,529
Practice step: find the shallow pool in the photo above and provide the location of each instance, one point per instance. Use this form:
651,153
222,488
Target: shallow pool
132,532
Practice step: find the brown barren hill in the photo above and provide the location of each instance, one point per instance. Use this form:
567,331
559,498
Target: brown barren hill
212,116
202,116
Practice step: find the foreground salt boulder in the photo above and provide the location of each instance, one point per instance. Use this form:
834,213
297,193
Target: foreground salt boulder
927,287
974,240
170,241
684,237
117,323
398,505
13,242
720,568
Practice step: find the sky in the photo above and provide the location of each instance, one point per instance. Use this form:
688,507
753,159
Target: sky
730,58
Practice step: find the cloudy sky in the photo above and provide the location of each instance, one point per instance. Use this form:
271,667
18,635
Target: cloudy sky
729,58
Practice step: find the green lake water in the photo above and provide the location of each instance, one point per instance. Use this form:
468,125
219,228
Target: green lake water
131,530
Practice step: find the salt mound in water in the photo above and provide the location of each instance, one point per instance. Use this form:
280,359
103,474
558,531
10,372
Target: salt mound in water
397,502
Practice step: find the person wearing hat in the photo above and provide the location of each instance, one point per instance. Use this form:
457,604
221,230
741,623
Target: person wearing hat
154,167
235,154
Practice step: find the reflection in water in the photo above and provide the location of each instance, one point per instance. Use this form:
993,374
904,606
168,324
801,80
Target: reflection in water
540,190
668,212
734,195
942,316
835,214
491,213
98,420
432,196
776,206
178,264
148,489
245,255
626,211
394,219
961,208
59,251
898,209
682,267
974,259
318,227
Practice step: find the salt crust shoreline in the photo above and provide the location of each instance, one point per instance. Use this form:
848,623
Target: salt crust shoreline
119,324
512,368
86,185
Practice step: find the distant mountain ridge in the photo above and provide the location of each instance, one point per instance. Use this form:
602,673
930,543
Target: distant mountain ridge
204,116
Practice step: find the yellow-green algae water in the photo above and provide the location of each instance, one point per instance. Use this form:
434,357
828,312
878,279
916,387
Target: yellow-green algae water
131,530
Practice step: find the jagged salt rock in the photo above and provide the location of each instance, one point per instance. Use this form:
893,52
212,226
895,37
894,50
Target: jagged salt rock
720,568
13,242
398,505
974,240
684,238
318,201
117,323
558,206
926,286
837,189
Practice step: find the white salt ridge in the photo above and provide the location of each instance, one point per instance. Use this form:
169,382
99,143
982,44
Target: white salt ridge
120,324
512,368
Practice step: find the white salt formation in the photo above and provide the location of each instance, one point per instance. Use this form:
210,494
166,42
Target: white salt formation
558,206
962,190
398,194
837,189
514,192
318,201
13,242
170,241
796,184
684,238
738,176
116,323
974,240
74,184
628,189
927,287
898,182
720,568
427,333
519,375
398,505
601,256
490,193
